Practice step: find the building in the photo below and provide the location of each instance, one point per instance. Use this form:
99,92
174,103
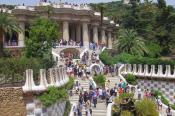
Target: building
77,22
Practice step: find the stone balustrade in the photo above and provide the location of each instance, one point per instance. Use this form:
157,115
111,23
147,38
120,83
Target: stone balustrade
62,5
149,70
57,77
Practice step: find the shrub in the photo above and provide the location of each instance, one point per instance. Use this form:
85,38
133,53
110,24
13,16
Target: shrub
53,95
126,95
131,79
126,113
100,80
107,59
146,107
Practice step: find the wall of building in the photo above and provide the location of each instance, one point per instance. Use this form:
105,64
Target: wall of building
12,102
167,87
36,109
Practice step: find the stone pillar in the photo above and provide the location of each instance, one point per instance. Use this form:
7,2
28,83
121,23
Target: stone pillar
85,35
21,35
66,30
103,36
95,34
109,40
78,33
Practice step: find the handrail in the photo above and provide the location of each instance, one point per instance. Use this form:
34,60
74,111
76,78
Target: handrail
109,109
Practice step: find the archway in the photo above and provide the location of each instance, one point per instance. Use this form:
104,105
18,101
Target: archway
70,52
96,69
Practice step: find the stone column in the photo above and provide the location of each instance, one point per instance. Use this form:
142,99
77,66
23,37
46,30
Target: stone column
109,40
85,35
21,35
103,38
95,34
78,33
66,30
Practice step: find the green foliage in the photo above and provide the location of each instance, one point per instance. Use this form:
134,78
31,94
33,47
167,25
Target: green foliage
42,34
70,84
15,67
131,59
106,58
100,80
131,79
126,113
53,95
146,107
126,95
130,42
154,22
68,108
8,24
154,50
163,99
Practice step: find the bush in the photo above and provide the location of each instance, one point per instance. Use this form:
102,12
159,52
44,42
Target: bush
126,113
100,80
107,59
17,66
126,95
131,79
53,95
146,107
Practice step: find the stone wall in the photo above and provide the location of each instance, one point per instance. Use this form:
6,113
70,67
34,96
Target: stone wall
167,87
35,109
12,102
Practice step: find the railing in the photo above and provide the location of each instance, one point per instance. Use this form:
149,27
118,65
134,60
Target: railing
62,5
57,77
109,109
145,71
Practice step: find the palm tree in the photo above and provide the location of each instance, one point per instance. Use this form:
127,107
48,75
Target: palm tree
8,24
131,43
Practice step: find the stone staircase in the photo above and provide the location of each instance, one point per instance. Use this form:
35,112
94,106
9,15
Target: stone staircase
100,109
113,81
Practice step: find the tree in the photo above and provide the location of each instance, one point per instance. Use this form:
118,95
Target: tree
8,24
42,34
131,43
161,4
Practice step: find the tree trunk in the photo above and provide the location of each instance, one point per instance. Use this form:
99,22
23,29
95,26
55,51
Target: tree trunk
1,42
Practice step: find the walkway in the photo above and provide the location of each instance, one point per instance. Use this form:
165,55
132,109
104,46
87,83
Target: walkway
100,110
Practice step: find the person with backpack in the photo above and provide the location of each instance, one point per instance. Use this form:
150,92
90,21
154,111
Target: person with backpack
168,111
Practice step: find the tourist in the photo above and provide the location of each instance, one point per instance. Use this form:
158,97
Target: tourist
75,110
159,103
88,108
94,99
86,96
80,108
100,93
139,93
168,111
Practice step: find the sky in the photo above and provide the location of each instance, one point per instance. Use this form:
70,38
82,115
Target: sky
34,2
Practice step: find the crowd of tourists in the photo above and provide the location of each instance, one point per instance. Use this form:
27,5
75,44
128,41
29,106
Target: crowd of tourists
70,42
88,99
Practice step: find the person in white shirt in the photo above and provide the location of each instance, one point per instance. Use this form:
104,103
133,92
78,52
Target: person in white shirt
159,103
139,93
100,93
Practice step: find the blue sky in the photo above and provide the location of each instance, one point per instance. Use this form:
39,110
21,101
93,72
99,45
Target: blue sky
34,2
